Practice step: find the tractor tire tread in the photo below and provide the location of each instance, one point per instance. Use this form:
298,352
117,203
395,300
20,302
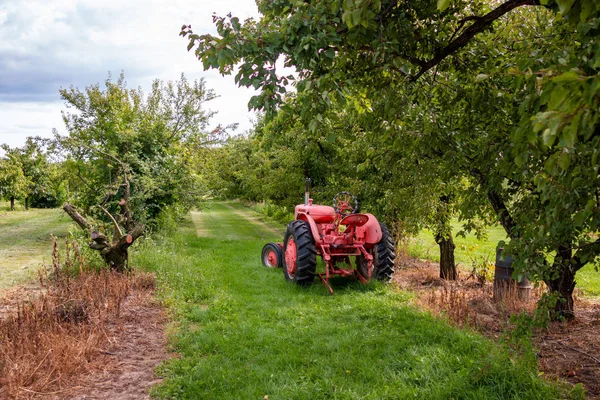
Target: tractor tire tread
383,258
306,261
385,255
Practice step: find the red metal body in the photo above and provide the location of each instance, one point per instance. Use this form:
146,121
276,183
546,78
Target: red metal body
338,236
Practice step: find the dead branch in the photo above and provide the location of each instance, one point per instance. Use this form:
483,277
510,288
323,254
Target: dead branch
579,351
75,216
113,253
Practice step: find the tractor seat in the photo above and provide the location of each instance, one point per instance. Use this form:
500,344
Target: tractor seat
354,220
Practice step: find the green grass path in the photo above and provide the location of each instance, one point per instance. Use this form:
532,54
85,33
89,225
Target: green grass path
25,242
243,332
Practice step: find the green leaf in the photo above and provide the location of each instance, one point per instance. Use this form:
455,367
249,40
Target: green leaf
548,137
235,22
587,9
520,159
565,160
569,76
550,165
579,218
532,136
443,4
565,5
481,77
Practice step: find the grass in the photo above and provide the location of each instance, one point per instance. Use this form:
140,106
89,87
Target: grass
469,249
243,332
25,241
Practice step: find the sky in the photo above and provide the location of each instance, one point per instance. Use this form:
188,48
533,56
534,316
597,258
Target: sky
46,45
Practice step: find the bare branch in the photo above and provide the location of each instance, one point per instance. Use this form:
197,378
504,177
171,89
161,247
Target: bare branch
75,216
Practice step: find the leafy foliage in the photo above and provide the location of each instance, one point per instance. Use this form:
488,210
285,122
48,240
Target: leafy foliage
494,106
13,183
44,183
151,137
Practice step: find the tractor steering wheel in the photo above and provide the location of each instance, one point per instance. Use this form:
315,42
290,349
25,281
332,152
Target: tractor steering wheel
342,203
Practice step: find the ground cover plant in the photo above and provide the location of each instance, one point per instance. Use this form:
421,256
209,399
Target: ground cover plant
25,241
243,332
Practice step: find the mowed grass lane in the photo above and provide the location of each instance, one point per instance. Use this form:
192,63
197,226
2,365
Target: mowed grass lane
25,242
243,332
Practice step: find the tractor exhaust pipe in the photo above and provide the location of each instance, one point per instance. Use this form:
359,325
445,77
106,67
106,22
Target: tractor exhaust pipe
307,192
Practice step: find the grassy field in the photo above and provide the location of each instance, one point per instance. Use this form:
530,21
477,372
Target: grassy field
25,241
470,250
243,332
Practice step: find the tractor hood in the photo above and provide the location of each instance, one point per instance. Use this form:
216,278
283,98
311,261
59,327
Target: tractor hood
320,214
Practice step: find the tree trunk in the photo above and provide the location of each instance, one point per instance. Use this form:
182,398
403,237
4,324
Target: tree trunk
564,283
447,264
12,203
114,254
27,203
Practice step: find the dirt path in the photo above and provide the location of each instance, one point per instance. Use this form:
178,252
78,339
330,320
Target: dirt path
122,370
139,346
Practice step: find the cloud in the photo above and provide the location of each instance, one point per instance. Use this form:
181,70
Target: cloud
49,44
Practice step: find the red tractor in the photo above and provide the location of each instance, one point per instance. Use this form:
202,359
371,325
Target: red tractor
336,234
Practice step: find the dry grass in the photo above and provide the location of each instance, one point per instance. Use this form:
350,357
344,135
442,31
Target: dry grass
468,301
473,305
54,336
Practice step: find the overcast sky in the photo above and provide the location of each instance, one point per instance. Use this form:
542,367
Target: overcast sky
49,44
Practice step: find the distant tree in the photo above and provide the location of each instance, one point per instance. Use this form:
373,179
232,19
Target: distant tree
43,186
13,184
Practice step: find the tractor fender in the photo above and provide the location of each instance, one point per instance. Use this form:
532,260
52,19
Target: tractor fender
372,230
313,226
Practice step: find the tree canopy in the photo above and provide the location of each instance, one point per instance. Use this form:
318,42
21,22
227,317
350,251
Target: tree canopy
489,107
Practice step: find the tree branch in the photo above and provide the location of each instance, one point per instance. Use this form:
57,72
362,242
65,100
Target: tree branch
498,204
117,227
585,247
75,216
479,25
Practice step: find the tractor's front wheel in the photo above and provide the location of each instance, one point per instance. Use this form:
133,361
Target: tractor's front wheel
383,258
272,255
299,253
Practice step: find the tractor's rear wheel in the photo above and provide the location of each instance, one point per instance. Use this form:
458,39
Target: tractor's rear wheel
299,253
383,258
272,255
